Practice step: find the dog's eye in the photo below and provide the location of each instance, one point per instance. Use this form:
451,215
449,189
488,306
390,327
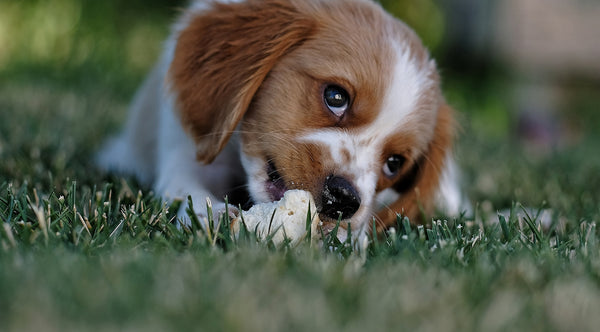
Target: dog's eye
336,99
393,165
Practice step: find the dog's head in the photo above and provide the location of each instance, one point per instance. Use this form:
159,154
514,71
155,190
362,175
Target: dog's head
334,97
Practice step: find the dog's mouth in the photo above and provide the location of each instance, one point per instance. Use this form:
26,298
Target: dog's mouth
275,185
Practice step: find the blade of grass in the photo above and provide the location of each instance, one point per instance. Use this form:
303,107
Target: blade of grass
308,226
504,227
532,225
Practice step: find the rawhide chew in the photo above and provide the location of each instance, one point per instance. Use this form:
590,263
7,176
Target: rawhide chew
288,222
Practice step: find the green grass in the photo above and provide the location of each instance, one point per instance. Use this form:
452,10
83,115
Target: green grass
82,250
108,258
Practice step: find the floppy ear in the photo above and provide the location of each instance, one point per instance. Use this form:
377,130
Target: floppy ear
419,187
222,57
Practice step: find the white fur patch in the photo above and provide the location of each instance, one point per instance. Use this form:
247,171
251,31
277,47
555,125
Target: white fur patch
385,198
407,84
255,169
450,199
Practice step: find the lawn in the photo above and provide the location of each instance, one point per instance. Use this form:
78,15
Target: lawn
82,250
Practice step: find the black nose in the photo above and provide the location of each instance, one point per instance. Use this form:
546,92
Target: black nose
339,196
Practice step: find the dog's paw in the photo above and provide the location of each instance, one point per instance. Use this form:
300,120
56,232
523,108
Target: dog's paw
221,209
202,213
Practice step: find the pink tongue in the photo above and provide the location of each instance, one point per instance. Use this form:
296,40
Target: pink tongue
275,186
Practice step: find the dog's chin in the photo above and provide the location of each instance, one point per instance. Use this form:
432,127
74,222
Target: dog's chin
275,185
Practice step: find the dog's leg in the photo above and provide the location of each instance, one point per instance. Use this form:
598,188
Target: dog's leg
180,174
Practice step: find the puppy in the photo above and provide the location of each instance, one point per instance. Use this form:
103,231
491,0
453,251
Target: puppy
335,97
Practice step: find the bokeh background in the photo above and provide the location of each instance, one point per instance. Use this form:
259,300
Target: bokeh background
524,76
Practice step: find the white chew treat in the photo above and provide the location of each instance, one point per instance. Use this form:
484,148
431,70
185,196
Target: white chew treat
289,220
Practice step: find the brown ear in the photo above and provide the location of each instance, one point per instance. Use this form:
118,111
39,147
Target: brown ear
221,59
417,192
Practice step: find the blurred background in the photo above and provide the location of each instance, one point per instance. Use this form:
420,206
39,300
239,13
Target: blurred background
524,75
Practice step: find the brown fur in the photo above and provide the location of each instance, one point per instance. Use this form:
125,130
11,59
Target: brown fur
220,61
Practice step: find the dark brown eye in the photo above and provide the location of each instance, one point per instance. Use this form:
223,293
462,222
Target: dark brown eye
336,99
393,165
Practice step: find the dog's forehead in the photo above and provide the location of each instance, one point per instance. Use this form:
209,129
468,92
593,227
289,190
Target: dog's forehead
353,46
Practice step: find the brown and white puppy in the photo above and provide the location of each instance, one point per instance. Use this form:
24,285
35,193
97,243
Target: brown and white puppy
335,97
